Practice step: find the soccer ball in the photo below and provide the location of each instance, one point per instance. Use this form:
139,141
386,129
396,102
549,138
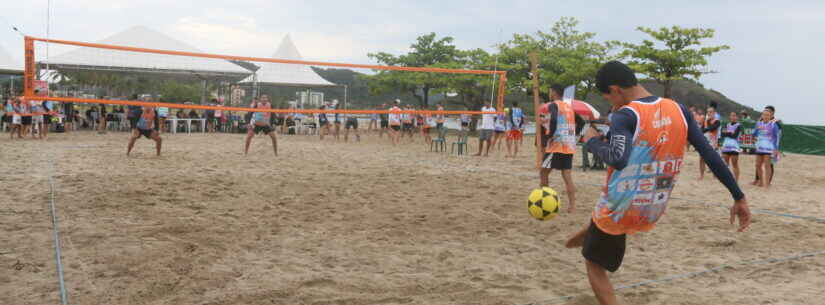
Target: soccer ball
543,203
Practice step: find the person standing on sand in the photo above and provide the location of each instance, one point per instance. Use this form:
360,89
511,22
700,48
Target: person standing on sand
351,122
260,123
516,132
146,125
645,152
560,137
488,124
395,123
730,143
766,134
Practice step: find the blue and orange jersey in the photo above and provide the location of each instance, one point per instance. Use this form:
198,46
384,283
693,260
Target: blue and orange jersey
564,138
635,197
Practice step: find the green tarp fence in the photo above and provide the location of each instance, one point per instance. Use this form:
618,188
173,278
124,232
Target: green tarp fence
800,139
803,139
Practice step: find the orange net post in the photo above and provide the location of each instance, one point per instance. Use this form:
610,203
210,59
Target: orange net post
502,83
30,69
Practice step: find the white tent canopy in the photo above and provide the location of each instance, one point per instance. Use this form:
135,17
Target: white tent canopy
288,74
85,58
8,65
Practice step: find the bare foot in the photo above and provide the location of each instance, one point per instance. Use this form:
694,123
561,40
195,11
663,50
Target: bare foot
755,183
576,240
571,209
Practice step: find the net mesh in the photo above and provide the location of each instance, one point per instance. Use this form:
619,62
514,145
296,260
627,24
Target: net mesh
175,75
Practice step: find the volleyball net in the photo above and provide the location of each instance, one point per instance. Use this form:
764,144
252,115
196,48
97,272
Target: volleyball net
181,77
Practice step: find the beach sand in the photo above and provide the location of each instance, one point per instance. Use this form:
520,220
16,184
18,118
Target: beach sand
368,223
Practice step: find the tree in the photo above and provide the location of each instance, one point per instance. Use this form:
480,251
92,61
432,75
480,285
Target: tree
680,57
567,57
427,51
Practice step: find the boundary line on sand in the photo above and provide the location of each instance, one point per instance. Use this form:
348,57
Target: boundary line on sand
56,234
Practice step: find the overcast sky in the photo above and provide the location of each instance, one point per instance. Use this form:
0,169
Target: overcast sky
776,56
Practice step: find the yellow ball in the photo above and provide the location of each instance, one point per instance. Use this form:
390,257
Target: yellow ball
543,203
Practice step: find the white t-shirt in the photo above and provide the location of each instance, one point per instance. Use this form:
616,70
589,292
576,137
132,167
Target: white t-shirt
488,121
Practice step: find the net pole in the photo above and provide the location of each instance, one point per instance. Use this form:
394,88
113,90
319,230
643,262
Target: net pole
534,70
502,85
28,71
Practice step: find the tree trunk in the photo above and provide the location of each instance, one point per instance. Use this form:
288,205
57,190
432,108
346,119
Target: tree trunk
426,91
668,84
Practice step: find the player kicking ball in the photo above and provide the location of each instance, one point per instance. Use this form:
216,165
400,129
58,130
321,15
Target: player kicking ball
645,151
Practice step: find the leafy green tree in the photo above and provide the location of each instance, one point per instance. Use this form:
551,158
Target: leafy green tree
427,51
567,56
681,56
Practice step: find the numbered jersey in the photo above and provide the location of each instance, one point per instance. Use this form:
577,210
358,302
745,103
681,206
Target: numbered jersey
635,197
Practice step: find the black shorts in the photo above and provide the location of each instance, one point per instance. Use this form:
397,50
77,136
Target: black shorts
731,153
407,126
395,127
351,122
385,123
259,128
145,132
557,161
465,124
604,249
323,122
757,153
7,119
26,120
439,125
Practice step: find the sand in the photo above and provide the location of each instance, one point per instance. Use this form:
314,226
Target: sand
367,223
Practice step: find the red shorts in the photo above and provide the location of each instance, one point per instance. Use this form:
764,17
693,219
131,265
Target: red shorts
514,134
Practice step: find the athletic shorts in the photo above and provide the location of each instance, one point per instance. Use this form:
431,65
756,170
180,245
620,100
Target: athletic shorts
763,154
425,129
604,249
353,123
439,125
27,120
37,119
266,129
730,153
396,127
514,134
385,123
498,131
323,123
557,161
485,134
407,126
465,124
16,120
145,132
6,118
